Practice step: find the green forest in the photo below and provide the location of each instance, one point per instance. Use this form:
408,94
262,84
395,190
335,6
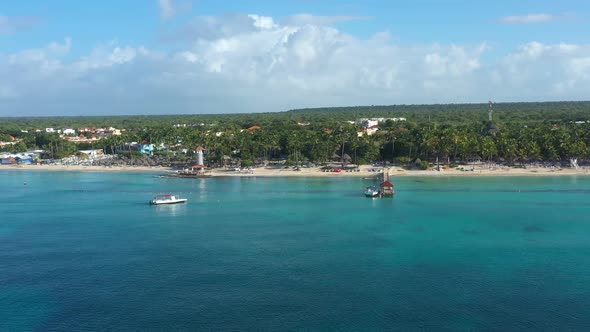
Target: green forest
451,133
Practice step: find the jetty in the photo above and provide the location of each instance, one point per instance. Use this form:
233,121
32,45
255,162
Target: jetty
385,189
190,173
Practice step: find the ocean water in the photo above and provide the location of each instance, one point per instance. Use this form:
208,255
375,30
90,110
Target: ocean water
84,251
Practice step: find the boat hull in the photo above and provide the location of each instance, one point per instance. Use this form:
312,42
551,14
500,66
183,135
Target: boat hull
179,201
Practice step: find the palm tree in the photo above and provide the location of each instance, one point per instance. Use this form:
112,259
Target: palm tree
391,137
295,142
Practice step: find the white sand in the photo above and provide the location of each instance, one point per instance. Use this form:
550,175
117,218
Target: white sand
478,170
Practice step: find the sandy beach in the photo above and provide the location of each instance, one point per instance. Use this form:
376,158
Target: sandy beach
365,171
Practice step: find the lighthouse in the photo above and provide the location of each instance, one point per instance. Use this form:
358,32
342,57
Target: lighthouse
200,150
197,170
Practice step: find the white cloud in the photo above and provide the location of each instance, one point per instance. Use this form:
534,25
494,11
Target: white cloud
166,9
536,18
529,18
542,71
250,63
262,22
169,8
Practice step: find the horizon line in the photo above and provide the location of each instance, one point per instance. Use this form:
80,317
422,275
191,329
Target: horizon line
293,109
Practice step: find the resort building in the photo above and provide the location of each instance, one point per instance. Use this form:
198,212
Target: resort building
18,158
147,149
93,152
81,139
369,122
68,131
368,131
251,129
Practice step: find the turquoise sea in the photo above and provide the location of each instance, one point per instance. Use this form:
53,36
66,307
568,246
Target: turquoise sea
84,251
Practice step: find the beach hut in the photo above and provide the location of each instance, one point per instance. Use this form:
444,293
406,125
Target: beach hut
198,168
8,161
347,158
386,185
387,188
23,160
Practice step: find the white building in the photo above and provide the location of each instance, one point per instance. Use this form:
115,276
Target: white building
93,153
366,122
369,131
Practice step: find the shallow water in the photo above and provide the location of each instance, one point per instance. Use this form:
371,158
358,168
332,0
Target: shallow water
84,251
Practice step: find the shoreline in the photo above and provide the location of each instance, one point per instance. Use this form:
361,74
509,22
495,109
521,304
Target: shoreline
478,171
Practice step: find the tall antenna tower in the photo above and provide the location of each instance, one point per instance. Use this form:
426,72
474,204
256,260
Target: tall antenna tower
490,110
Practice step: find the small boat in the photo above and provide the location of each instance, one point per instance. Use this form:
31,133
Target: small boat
372,191
167,199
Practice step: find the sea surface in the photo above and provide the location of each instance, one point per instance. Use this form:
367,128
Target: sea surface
84,251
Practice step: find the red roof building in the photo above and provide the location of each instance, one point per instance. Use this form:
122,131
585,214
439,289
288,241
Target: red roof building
251,129
387,188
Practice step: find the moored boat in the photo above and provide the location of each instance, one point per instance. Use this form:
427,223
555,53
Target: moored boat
385,189
166,199
372,191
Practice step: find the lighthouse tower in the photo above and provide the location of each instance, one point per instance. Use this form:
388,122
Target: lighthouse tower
200,150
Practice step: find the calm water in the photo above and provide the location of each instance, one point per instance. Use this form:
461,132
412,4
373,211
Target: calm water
84,251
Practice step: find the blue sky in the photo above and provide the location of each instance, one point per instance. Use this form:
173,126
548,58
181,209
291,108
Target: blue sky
416,21
79,46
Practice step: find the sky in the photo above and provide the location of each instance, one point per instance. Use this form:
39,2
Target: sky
111,57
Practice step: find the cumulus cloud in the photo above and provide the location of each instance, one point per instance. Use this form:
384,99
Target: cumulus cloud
217,27
253,63
555,71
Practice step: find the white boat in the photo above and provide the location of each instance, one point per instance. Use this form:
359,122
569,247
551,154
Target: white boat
372,191
167,199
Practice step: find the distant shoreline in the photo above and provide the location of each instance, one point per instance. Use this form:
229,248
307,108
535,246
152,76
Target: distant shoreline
365,171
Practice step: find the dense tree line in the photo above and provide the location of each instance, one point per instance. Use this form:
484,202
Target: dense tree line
520,132
454,114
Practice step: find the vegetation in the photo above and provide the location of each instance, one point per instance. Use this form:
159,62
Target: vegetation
520,133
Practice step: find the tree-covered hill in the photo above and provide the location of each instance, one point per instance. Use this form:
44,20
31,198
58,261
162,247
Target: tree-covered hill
458,113
453,114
